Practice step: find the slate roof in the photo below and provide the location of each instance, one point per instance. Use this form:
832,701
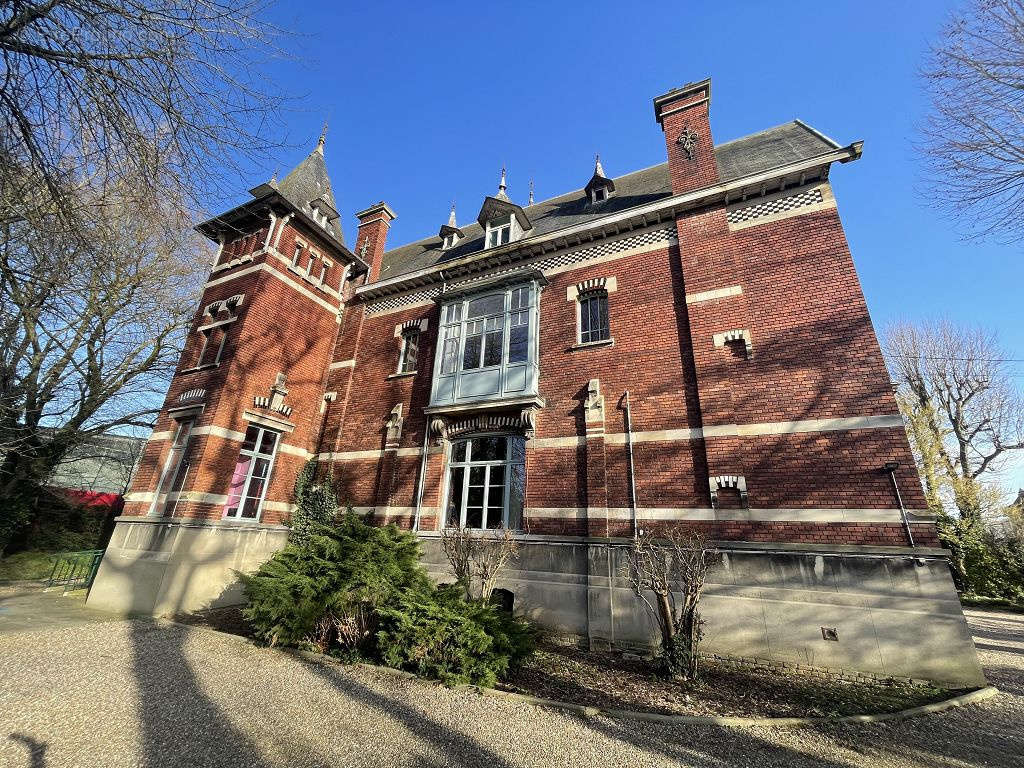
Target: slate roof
308,181
781,145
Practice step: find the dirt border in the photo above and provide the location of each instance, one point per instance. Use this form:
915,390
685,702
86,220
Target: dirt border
971,697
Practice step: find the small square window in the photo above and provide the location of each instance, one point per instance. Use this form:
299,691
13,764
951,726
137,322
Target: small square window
498,234
600,194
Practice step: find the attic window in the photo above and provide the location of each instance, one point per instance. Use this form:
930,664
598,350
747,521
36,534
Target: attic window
599,195
449,241
499,232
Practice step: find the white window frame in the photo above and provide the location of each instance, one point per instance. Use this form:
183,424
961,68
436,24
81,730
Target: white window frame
179,447
325,266
467,464
499,227
297,256
254,455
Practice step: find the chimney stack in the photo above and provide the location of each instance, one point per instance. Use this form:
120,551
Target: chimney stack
373,234
683,115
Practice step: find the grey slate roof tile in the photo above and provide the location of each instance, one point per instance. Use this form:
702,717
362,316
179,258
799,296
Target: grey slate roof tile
309,181
758,152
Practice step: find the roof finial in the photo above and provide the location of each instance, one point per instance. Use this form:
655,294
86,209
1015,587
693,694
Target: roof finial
598,170
451,216
502,186
323,139
530,201
273,179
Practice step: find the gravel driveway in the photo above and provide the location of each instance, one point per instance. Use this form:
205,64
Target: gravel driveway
127,693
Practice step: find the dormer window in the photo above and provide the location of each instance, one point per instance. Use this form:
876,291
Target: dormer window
600,187
499,232
449,241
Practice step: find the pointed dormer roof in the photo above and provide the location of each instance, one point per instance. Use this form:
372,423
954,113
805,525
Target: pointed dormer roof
308,187
502,206
598,179
451,228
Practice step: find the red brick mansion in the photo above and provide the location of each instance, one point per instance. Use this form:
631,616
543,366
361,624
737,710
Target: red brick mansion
683,345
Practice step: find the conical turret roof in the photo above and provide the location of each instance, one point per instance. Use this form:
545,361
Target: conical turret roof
308,186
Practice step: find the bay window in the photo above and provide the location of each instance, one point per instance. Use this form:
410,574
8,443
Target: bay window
487,482
252,473
487,346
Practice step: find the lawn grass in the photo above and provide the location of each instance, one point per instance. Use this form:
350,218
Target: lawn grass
30,565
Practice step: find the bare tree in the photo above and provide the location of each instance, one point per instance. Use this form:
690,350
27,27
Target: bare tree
964,416
90,327
479,557
169,95
974,136
675,565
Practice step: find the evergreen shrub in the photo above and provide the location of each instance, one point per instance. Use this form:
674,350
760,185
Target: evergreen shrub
357,590
440,634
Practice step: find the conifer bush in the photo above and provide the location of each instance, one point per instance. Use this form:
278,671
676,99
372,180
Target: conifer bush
338,571
440,634
356,590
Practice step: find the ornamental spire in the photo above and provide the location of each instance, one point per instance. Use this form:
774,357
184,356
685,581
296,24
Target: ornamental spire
530,201
502,185
451,216
598,170
323,139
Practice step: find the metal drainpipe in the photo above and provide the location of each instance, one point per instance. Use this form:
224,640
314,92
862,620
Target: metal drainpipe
891,467
632,480
423,475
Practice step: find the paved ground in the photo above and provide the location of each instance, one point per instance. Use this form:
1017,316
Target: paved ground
89,692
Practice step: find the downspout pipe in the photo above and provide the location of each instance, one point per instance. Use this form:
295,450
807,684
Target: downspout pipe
632,475
891,467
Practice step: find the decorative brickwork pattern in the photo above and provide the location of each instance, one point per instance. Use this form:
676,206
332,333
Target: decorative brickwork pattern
772,207
653,238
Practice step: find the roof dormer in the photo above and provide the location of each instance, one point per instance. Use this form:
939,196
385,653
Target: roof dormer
600,187
502,220
450,234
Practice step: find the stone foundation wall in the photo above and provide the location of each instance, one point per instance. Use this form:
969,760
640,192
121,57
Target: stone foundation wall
895,614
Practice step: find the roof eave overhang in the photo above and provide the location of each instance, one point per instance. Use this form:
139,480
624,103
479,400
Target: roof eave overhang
269,199
621,221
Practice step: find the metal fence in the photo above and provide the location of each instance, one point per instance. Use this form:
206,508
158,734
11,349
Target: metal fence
75,570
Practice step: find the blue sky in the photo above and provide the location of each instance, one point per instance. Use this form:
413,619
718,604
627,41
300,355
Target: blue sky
426,102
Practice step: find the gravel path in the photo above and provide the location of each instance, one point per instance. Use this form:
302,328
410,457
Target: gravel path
133,693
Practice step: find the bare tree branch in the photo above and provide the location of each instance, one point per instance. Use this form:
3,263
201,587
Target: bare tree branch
974,136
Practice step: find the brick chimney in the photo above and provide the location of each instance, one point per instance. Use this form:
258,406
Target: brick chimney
683,115
373,235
